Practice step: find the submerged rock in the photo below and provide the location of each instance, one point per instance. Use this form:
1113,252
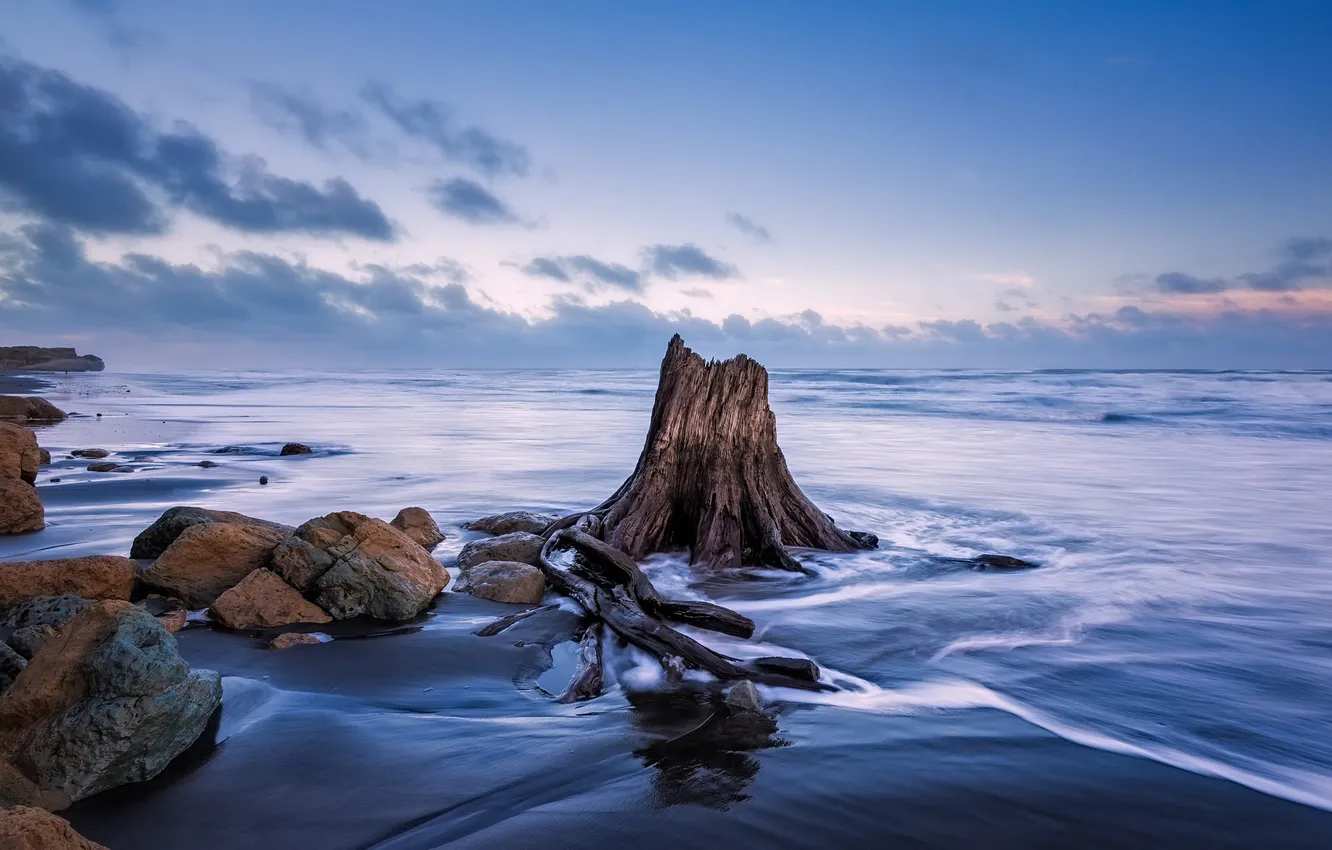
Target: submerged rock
19,453
419,525
208,559
90,454
92,577
1001,562
30,828
108,701
295,449
263,600
350,564
21,509
504,581
507,523
207,464
108,466
744,696
517,546
155,539
287,640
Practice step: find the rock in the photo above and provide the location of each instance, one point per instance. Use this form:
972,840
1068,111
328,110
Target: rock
263,600
507,523
743,696
263,479
517,546
108,466
155,539
55,480
230,450
504,581
286,640
207,464
350,564
91,454
170,612
419,525
44,457
1001,562
30,828
867,540
92,577
29,409
19,453
207,560
45,610
11,665
106,702
27,640
20,509
295,449
796,668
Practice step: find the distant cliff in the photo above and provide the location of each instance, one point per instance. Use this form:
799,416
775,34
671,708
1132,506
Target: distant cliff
31,358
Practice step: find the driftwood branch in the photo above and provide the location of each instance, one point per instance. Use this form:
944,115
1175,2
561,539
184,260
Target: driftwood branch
587,680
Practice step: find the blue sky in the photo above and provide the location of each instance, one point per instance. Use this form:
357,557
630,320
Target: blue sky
863,184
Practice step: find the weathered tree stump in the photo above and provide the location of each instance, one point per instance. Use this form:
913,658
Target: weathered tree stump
711,477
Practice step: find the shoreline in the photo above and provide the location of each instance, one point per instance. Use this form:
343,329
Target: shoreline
13,383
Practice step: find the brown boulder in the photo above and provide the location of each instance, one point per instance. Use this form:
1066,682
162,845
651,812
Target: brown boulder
93,577
20,509
287,640
207,560
29,828
155,539
19,453
25,408
350,564
263,600
41,410
108,466
171,613
107,701
44,457
295,449
419,525
504,581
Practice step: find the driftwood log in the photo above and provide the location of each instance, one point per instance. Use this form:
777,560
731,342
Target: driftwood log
711,477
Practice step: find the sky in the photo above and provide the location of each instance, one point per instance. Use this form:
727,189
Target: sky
413,183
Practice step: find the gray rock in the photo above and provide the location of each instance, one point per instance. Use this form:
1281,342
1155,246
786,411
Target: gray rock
155,539
504,581
44,611
518,546
11,665
743,696
27,640
507,523
109,703
350,564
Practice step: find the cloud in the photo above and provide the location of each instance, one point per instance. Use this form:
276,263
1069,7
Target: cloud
470,201
434,123
749,227
595,273
1178,283
106,14
303,115
697,292
676,261
1301,262
79,156
256,309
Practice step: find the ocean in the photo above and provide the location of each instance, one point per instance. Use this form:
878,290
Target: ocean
1163,679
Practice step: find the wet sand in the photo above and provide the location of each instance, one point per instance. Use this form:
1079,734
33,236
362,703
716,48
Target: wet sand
12,384
433,737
